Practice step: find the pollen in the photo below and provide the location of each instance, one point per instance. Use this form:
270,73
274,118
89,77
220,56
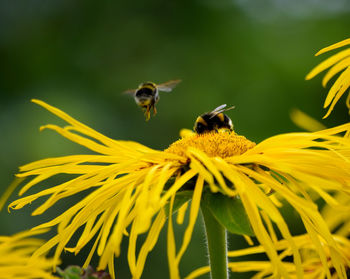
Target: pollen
222,144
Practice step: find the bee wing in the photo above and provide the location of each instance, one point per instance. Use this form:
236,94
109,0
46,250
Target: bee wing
220,109
130,91
168,86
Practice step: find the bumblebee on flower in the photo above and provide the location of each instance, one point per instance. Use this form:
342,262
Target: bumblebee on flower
133,191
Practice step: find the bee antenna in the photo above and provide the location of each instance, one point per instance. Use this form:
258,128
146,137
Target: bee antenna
232,107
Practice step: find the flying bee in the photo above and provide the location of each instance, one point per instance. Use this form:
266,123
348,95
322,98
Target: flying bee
213,121
147,95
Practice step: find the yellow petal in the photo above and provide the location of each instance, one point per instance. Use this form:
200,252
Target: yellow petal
174,272
198,272
328,63
334,46
150,242
181,213
195,205
306,122
343,64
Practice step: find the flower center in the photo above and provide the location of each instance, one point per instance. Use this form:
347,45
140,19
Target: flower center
222,144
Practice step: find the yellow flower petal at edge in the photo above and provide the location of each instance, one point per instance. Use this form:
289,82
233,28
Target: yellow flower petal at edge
306,122
15,257
131,186
339,224
312,266
334,46
337,63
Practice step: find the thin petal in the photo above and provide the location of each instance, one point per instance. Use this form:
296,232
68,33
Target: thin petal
343,64
174,272
306,122
334,46
151,240
337,90
328,63
198,272
181,213
195,205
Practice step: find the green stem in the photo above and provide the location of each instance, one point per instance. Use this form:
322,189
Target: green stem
217,245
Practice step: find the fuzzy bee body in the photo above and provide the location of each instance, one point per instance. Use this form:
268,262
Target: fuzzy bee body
147,95
213,121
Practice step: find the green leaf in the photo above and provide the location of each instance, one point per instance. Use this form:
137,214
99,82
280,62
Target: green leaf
180,198
229,212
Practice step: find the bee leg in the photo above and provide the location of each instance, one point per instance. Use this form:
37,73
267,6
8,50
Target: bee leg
147,113
154,110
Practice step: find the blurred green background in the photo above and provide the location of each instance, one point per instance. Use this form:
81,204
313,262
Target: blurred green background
80,56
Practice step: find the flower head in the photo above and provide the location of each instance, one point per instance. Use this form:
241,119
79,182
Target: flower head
15,257
132,187
337,63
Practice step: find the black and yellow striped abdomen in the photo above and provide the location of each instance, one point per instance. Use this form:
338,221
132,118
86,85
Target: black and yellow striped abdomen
146,94
209,122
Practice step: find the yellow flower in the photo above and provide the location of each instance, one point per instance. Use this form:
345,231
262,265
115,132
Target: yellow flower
337,63
131,187
15,257
313,265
